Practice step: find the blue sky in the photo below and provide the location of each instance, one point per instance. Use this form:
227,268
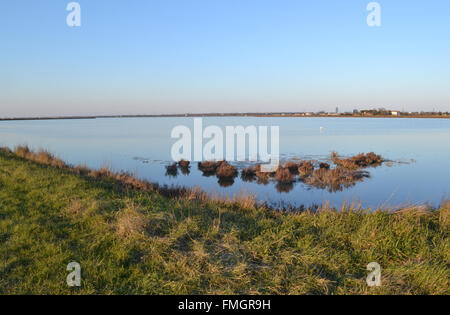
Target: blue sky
172,56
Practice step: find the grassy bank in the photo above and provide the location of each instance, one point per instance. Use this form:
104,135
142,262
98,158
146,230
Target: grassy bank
131,239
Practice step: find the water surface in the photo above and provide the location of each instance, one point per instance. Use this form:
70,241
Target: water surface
142,146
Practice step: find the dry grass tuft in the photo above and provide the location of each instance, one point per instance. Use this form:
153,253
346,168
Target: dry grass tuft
6,150
244,200
22,151
82,170
444,216
103,172
241,199
41,156
75,207
131,222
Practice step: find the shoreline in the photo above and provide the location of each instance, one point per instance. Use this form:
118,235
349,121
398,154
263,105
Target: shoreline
152,244
269,115
243,199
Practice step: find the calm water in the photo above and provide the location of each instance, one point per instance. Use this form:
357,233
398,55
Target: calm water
419,147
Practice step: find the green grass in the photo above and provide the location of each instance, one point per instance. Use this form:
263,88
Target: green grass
138,242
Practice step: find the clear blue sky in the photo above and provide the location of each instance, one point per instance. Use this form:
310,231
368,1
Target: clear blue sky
171,56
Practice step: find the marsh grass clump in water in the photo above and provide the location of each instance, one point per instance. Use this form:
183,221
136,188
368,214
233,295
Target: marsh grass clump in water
185,166
346,173
305,168
209,167
248,174
172,170
226,171
283,175
292,167
358,161
184,163
263,177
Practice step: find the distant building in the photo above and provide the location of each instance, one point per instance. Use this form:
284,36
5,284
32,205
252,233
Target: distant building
395,113
337,110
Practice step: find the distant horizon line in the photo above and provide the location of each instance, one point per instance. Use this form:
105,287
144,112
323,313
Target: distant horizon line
417,114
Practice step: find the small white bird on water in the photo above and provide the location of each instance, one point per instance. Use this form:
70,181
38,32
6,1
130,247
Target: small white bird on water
321,129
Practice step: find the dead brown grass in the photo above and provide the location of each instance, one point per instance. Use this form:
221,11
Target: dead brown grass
184,163
358,161
209,167
172,169
131,222
249,171
248,174
262,176
41,156
75,207
130,181
22,151
305,168
283,175
334,179
292,167
444,216
6,150
81,170
226,170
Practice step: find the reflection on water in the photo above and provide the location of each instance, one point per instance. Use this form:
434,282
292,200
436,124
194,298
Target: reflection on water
142,146
284,187
172,170
225,182
183,166
336,179
345,173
